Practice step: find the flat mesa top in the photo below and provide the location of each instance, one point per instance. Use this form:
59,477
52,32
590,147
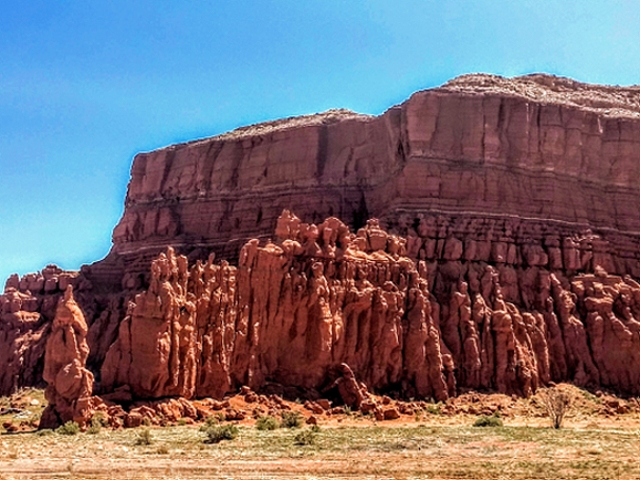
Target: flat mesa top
274,126
609,101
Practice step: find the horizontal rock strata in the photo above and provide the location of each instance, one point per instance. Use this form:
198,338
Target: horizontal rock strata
545,151
519,206
292,312
289,313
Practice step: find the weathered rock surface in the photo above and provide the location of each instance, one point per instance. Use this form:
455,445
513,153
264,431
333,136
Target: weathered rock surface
547,156
323,303
289,313
70,383
22,341
518,202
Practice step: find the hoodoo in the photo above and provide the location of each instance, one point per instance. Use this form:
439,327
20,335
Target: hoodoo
504,253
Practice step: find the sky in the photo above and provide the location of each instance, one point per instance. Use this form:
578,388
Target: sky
85,85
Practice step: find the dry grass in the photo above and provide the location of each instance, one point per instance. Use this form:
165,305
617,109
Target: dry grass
423,451
591,446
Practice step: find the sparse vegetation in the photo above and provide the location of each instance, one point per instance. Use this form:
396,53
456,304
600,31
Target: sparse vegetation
434,408
98,421
69,428
218,433
557,404
291,420
144,437
489,421
305,437
210,421
596,446
162,450
267,422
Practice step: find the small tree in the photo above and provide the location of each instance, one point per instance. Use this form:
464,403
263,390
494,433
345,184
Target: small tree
557,404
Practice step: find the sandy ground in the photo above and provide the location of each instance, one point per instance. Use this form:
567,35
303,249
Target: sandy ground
595,443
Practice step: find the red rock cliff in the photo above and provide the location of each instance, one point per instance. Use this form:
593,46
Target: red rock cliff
518,195
292,312
543,152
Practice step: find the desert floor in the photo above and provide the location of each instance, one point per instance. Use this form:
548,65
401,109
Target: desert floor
594,443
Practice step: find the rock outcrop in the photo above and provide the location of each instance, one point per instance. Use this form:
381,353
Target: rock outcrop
510,212
323,307
290,313
70,384
545,157
22,341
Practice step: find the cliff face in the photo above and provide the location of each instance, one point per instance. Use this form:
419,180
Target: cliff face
290,312
294,311
546,153
518,202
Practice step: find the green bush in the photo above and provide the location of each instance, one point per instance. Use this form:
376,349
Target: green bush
218,433
486,421
305,437
98,421
94,427
210,421
267,422
144,437
69,428
291,420
434,408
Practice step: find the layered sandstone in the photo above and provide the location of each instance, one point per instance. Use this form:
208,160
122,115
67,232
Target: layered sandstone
323,303
517,201
555,156
289,313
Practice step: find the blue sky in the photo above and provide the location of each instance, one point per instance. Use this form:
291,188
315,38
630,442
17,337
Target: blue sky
84,85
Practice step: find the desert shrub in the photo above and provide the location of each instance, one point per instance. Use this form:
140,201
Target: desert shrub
182,422
44,431
489,421
34,420
94,427
218,433
69,428
210,421
557,404
315,428
144,437
305,437
162,450
267,422
291,420
434,408
98,421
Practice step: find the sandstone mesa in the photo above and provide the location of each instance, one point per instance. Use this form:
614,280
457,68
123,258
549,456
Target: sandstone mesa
505,256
